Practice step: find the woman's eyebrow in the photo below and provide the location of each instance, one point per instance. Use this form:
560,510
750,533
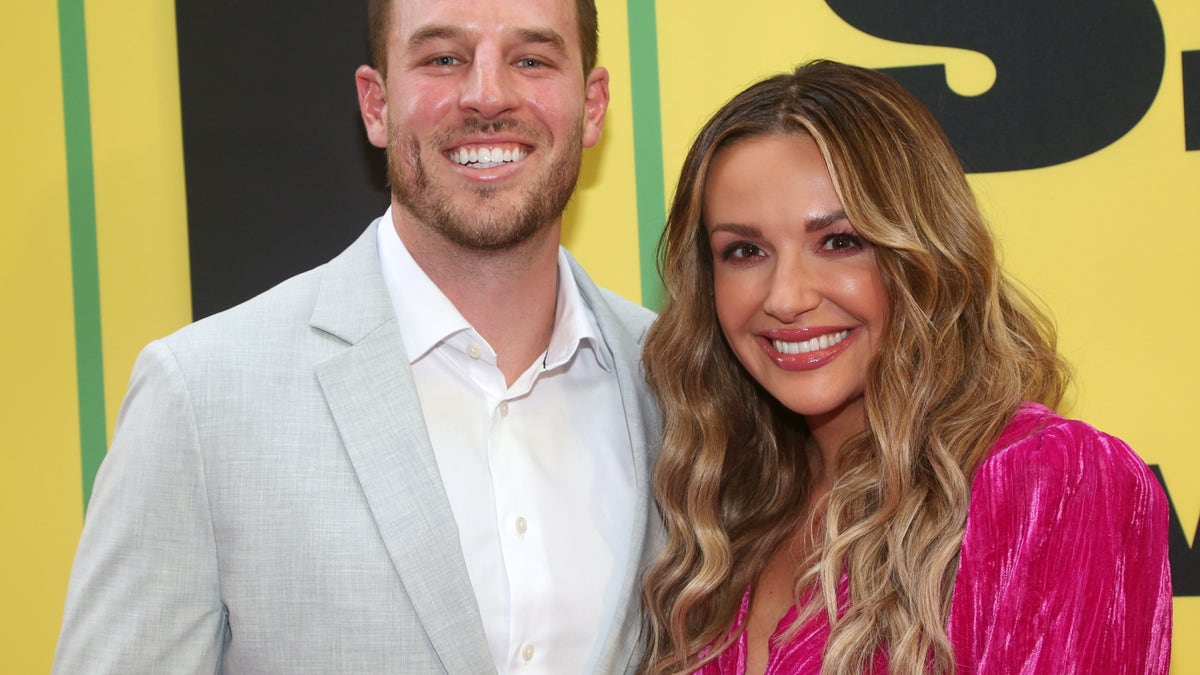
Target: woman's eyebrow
818,223
736,229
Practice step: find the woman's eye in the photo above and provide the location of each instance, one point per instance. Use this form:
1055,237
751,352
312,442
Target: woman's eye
841,241
741,251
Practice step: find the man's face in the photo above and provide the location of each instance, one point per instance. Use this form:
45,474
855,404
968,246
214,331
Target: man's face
484,114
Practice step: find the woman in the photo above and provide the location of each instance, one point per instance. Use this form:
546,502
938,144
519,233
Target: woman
861,469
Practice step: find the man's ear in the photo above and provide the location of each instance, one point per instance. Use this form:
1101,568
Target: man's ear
595,105
372,103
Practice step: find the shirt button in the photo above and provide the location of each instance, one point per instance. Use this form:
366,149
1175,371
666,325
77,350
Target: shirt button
522,525
503,408
527,652
474,350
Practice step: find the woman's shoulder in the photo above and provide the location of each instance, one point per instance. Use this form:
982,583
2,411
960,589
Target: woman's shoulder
1036,436
1066,529
1041,448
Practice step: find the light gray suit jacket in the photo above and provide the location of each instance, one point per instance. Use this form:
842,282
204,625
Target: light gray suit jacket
271,502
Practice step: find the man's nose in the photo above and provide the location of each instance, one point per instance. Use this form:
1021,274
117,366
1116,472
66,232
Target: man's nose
489,89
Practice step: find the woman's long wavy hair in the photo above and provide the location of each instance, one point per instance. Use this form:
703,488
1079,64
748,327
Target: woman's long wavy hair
962,348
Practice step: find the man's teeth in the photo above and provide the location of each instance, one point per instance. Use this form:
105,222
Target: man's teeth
485,158
822,342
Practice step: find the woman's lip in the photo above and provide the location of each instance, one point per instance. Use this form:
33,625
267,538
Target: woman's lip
811,360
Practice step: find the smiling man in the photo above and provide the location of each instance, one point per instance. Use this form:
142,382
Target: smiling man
429,454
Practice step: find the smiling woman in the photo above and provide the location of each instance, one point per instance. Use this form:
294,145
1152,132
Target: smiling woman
861,468
798,293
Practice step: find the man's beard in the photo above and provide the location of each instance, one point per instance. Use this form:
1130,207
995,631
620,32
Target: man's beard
482,224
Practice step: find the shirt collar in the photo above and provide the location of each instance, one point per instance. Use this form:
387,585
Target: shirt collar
427,317
574,323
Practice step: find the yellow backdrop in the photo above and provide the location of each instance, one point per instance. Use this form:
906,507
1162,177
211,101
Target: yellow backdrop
1107,240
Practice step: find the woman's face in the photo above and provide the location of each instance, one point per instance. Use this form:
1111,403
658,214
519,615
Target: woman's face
798,293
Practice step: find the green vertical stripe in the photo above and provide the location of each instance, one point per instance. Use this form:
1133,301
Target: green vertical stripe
85,272
647,143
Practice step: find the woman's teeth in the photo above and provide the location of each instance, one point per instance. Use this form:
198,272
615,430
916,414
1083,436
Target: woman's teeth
821,342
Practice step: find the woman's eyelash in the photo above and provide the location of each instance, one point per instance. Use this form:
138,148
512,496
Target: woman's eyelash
841,241
740,250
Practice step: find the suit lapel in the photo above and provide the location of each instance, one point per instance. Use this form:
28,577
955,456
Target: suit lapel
621,649
373,399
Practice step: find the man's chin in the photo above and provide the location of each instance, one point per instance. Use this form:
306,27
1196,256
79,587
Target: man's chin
491,235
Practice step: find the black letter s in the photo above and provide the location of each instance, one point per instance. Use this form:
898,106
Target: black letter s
1072,76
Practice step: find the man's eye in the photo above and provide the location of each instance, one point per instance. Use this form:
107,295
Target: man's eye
529,63
444,61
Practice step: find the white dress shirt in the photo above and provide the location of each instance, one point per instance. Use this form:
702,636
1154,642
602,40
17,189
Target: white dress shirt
539,475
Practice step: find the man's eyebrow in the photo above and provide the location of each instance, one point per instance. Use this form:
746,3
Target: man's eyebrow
431,33
818,223
544,37
448,32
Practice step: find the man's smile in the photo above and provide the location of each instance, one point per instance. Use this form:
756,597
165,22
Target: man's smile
479,156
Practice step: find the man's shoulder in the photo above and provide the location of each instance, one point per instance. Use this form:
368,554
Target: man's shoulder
606,304
291,310
283,307
626,311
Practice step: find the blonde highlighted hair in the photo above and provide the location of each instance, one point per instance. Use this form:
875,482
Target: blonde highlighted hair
963,347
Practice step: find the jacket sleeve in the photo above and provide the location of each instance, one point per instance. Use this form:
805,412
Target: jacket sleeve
144,594
1064,565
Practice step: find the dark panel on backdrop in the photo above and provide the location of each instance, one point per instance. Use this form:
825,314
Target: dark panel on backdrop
1191,100
280,177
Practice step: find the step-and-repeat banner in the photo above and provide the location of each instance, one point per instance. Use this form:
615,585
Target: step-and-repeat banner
1079,123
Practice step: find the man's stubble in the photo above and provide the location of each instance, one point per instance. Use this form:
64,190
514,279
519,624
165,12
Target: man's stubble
479,223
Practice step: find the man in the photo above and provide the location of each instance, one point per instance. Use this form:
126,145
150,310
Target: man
428,455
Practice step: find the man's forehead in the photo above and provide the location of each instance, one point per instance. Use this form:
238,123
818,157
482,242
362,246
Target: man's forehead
479,17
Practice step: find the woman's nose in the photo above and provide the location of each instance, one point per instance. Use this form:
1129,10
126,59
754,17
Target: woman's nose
793,291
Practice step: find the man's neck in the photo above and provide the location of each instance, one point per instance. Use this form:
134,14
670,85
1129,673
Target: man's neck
508,296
